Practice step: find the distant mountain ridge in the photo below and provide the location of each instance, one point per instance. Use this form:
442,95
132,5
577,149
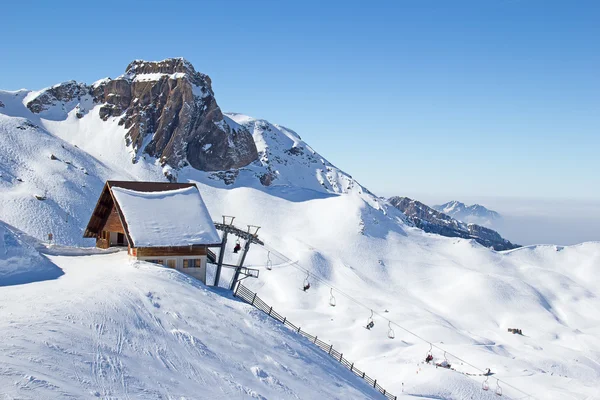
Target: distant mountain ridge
433,221
475,213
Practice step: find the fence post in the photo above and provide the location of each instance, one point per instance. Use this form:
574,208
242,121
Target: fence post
375,383
352,367
270,309
363,375
254,298
284,319
315,341
330,348
298,329
341,354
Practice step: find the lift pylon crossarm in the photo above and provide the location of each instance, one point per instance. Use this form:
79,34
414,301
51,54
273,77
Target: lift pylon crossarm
225,217
246,235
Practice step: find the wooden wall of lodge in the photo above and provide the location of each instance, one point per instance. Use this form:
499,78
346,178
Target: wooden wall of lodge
168,251
113,223
102,243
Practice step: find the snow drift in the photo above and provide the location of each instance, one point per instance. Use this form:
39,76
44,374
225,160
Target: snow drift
20,261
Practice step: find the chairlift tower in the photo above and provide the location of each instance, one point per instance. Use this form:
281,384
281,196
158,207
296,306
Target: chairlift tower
250,236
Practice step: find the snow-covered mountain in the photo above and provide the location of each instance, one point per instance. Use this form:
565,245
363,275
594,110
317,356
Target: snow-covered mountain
433,221
84,145
105,327
474,213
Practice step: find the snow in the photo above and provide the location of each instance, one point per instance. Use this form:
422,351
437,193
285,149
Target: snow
112,328
115,329
200,91
169,218
157,76
100,82
453,292
20,262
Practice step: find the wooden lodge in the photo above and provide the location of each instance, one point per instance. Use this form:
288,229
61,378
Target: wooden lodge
164,223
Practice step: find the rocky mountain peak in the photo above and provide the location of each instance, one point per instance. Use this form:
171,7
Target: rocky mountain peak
171,67
169,111
166,66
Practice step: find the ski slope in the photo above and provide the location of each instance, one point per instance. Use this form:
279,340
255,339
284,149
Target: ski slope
114,329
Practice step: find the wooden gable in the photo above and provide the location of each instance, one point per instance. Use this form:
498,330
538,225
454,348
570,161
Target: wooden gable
107,216
113,221
103,208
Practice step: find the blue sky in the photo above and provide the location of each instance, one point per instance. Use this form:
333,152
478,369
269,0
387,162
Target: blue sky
445,98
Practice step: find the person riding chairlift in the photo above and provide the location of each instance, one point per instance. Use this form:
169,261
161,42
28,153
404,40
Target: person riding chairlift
429,358
237,248
370,325
307,286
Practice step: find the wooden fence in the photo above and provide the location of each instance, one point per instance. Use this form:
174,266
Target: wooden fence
250,297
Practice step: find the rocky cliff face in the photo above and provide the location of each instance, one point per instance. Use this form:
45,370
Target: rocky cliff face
433,221
169,111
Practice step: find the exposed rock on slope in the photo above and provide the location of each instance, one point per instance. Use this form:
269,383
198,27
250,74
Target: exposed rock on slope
170,113
62,93
284,159
433,221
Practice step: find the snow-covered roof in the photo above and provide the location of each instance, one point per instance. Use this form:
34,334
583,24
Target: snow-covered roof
166,218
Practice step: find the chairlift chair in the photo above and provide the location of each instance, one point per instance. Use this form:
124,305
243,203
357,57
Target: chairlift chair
269,262
429,356
498,388
485,386
306,285
332,301
370,322
391,333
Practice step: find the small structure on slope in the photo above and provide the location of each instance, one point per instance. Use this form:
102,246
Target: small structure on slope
164,223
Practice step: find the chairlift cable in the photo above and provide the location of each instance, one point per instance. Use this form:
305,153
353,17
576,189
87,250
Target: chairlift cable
297,265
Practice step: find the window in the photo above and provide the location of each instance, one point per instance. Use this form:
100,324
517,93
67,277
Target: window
192,263
161,262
